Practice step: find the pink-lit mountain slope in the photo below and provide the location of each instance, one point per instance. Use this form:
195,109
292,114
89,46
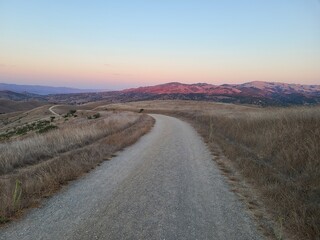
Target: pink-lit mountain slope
175,87
250,88
275,87
258,93
261,93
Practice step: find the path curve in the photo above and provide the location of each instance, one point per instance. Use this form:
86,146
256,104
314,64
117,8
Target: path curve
53,112
166,186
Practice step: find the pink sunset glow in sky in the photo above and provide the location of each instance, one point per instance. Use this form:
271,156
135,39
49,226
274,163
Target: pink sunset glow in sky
120,44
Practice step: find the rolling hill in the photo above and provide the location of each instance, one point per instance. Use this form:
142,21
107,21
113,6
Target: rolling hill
43,90
13,101
260,93
250,88
16,96
176,87
8,106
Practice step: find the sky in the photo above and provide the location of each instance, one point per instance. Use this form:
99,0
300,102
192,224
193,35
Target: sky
120,44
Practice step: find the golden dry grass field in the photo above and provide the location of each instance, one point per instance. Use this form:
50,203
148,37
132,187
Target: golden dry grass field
40,151
270,155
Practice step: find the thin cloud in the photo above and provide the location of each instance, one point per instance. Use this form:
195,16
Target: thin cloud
121,74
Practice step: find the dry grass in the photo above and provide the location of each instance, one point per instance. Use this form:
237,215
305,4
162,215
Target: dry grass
275,149
15,119
9,106
278,151
38,148
37,166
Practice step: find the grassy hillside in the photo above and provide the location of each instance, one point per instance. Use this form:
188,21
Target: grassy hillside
8,106
14,121
275,150
35,165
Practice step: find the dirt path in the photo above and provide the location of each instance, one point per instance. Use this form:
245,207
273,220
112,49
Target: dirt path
53,112
165,186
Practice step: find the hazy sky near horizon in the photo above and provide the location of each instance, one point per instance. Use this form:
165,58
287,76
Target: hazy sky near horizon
119,44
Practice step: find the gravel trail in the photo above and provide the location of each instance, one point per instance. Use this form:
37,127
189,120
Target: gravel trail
53,112
166,186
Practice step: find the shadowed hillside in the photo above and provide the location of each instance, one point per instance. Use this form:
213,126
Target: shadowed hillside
8,106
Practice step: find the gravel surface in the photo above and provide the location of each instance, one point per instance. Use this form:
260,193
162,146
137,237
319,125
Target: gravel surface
166,186
53,112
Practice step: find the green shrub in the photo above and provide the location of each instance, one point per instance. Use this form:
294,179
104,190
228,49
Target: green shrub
47,128
71,112
97,115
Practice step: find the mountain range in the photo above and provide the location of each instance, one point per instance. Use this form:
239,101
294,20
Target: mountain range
255,88
257,92
43,90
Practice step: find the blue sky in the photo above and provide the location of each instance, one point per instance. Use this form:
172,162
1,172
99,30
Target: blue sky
118,44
